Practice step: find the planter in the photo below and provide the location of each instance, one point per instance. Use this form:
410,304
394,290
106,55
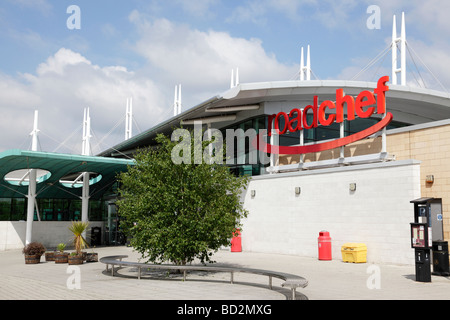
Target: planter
92,257
33,252
76,259
32,259
61,257
50,256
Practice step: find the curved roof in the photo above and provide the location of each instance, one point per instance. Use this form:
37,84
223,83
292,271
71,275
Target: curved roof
58,166
411,105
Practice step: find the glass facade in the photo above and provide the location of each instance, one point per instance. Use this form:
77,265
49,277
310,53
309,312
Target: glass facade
319,133
242,164
15,209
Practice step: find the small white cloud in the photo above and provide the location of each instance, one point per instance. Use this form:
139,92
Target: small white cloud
57,63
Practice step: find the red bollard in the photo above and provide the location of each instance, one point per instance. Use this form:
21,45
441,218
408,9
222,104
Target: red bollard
236,242
324,245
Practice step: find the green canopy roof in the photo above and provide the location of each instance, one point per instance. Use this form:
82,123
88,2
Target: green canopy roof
53,167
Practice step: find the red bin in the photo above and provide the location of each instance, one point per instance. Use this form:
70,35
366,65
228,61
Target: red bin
324,245
236,242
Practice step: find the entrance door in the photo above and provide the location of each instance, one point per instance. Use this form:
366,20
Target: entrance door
113,235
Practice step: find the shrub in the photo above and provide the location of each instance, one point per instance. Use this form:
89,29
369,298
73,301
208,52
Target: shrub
34,248
61,247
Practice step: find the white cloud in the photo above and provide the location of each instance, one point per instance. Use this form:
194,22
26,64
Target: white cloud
204,59
61,88
67,82
60,61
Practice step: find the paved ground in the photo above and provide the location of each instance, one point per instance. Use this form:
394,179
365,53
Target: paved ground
328,280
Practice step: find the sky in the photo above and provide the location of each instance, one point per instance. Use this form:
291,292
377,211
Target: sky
59,61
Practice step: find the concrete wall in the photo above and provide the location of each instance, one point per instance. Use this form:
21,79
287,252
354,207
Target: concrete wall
428,143
378,213
12,235
50,233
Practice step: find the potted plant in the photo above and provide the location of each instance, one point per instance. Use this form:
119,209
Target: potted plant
75,258
50,255
33,252
79,242
92,257
60,255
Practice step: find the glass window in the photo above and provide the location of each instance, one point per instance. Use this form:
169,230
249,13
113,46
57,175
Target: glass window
18,209
5,209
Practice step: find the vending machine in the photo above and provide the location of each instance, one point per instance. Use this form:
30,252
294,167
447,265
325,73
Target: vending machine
421,243
429,211
427,238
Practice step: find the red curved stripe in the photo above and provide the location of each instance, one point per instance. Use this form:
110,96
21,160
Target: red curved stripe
325,145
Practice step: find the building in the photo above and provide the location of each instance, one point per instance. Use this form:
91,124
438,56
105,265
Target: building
41,193
360,191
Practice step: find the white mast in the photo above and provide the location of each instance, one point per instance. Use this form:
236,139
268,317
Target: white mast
86,147
234,78
177,101
32,175
305,70
35,131
129,119
402,40
86,151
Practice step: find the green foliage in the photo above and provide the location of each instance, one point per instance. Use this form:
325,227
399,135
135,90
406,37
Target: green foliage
178,212
61,246
77,228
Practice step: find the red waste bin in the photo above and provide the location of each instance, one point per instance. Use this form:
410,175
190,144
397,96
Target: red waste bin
236,242
324,245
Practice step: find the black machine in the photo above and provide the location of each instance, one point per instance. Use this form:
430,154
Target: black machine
427,238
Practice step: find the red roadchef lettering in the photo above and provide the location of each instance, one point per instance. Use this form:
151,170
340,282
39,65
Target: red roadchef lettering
363,107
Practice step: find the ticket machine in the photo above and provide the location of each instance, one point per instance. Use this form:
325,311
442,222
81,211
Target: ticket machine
427,238
421,243
429,211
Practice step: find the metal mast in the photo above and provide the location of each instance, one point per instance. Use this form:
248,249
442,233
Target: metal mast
177,101
32,175
402,41
86,175
305,70
129,119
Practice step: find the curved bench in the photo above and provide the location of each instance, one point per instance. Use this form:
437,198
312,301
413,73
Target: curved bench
290,280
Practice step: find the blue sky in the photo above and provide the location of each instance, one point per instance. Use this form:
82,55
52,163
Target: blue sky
143,49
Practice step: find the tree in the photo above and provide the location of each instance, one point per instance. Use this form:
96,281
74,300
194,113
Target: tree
179,212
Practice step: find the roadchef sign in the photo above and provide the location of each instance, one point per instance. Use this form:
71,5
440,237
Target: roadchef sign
364,106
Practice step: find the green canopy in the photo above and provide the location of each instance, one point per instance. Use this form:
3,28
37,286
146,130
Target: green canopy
57,178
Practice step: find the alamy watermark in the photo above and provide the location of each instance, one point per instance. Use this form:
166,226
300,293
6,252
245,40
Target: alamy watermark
74,280
239,144
74,20
374,20
374,280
